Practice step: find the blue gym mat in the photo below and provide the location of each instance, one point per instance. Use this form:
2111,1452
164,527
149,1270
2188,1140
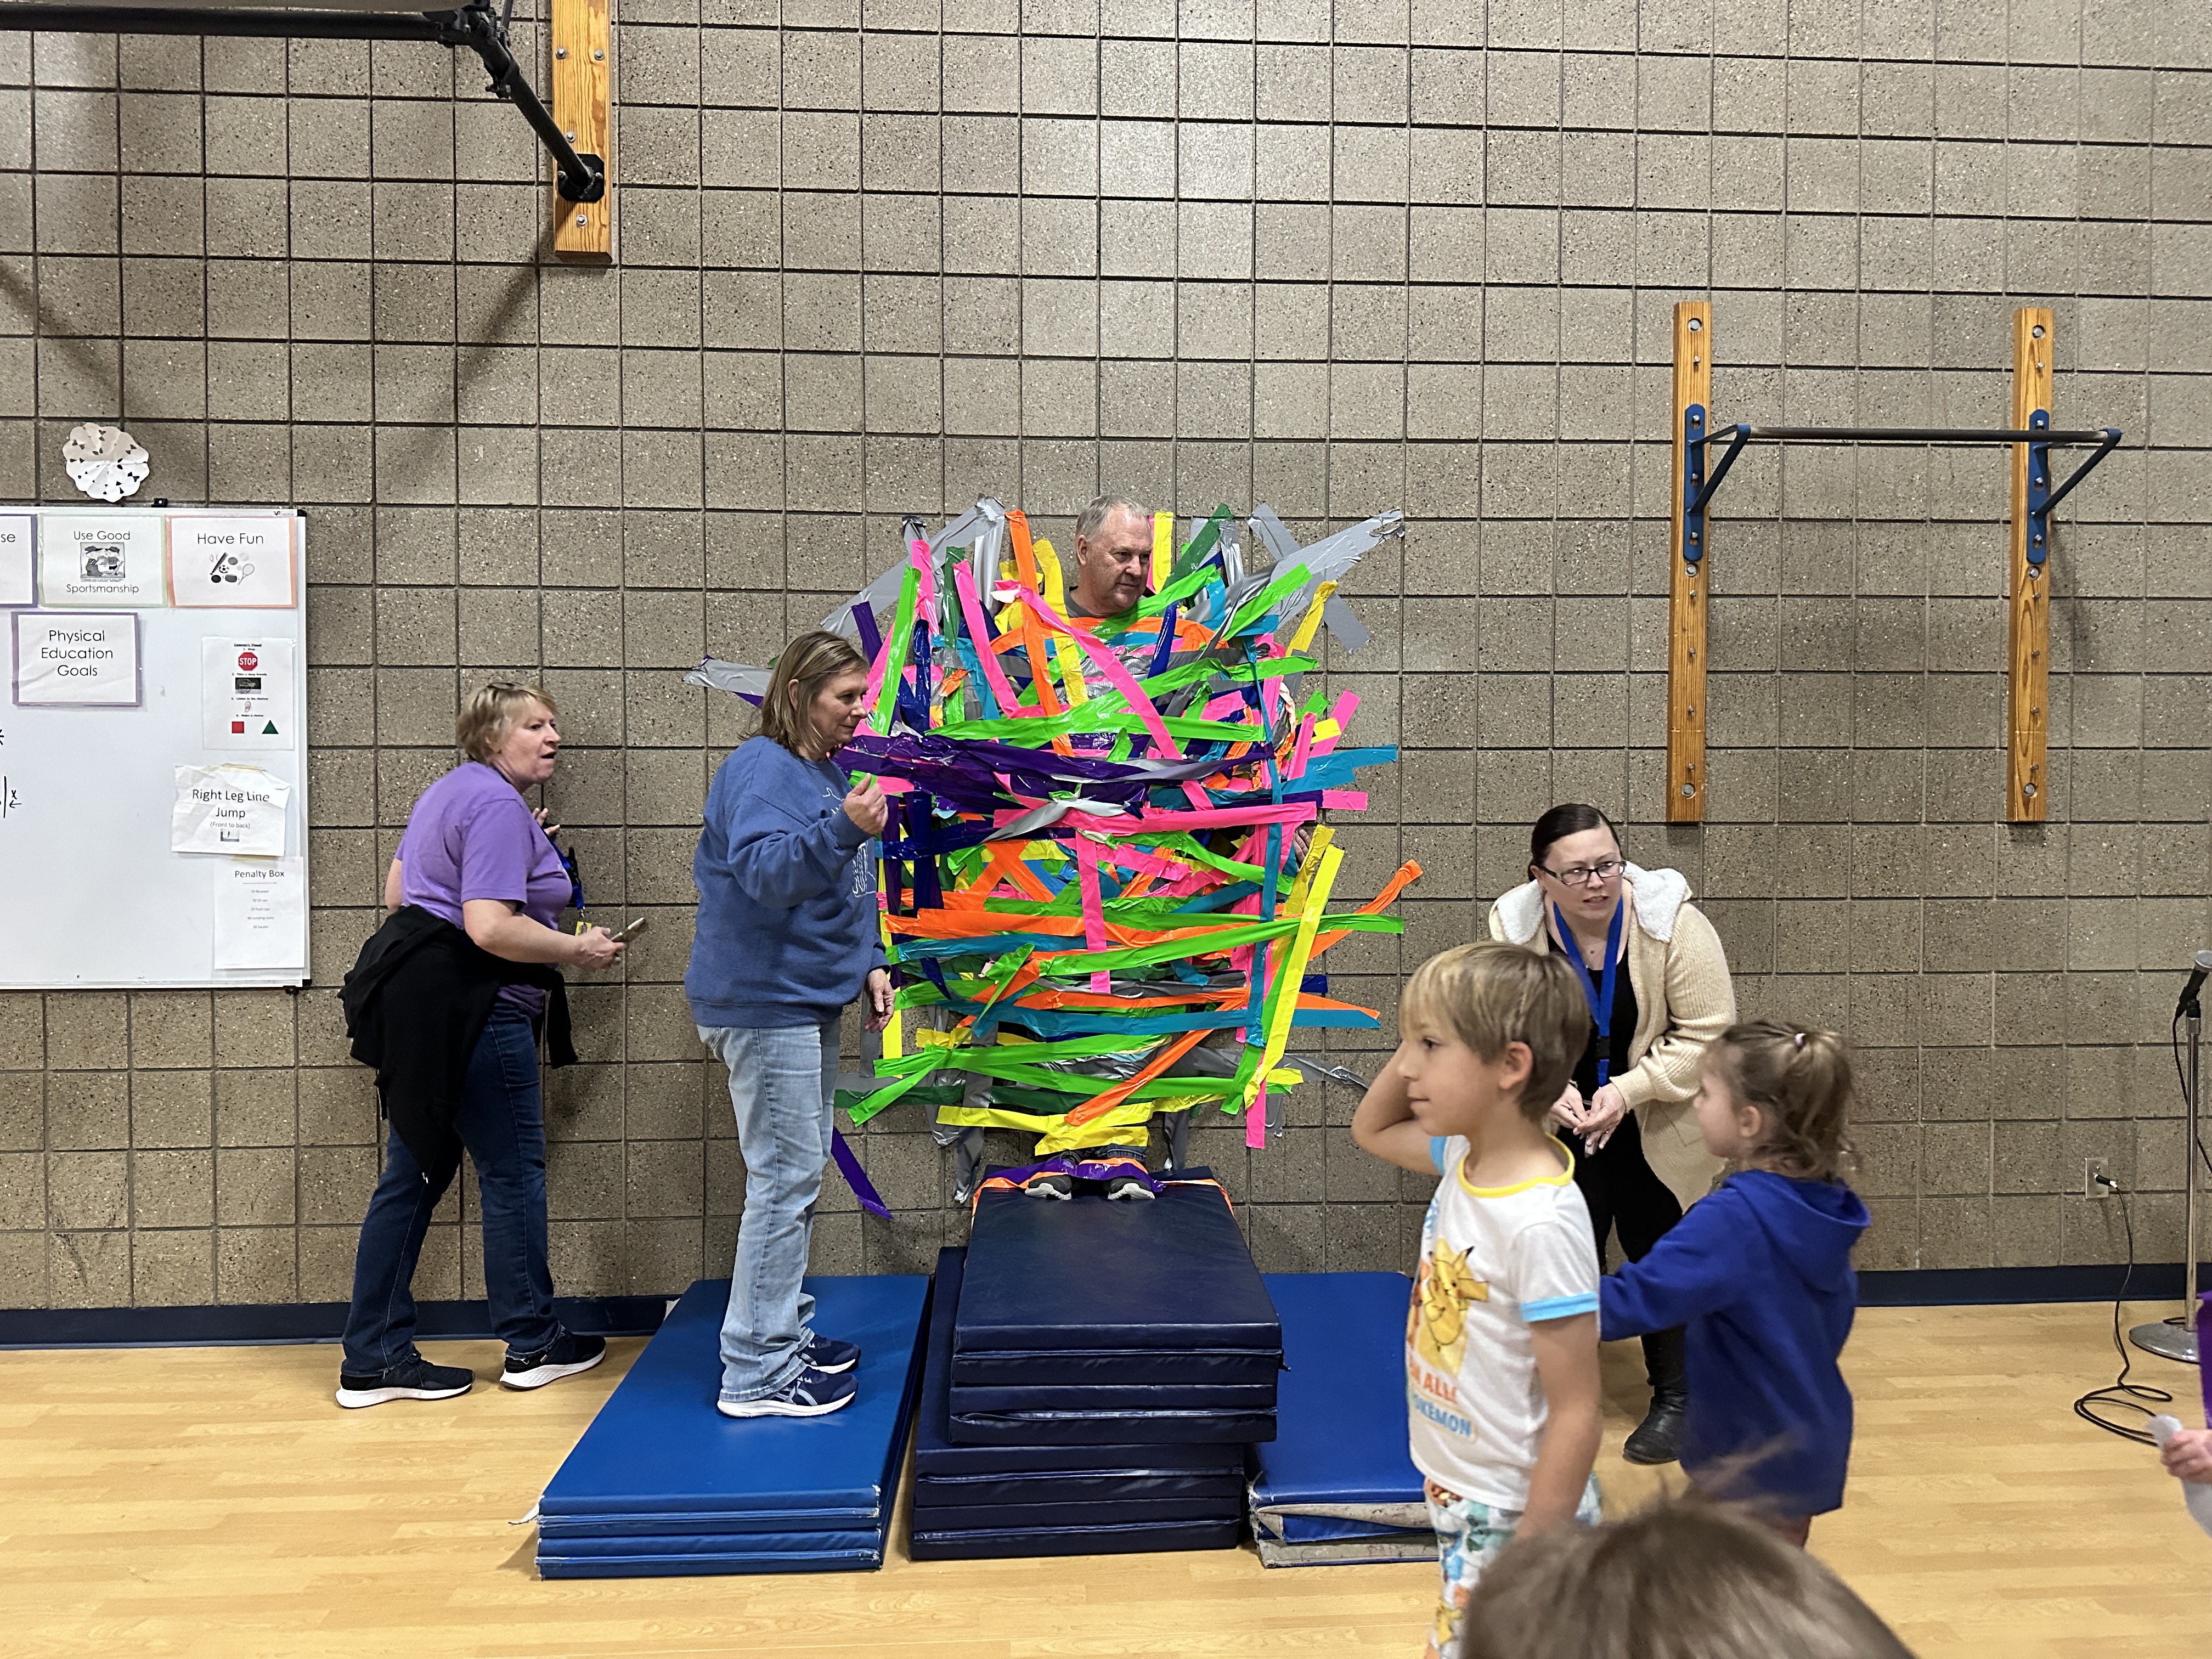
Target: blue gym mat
1023,1500
1337,1483
662,1483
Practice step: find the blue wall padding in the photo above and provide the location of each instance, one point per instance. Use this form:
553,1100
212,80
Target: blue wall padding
662,1483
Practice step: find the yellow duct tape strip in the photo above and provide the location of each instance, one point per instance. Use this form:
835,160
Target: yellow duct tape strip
1278,1027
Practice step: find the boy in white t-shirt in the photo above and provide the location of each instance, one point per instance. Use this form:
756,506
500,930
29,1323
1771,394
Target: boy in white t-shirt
1501,1345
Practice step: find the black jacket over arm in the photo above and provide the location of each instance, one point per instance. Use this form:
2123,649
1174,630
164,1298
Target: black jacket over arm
415,1003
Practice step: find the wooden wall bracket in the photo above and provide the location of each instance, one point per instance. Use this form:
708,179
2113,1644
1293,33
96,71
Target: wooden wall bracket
1685,547
583,109
2027,702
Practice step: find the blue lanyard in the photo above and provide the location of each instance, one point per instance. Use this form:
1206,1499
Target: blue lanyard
575,877
1601,996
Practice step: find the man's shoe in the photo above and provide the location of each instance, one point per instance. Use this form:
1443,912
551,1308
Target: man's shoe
569,1354
411,1379
828,1356
1052,1185
1127,1187
811,1394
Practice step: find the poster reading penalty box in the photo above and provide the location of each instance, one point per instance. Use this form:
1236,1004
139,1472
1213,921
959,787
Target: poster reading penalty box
73,659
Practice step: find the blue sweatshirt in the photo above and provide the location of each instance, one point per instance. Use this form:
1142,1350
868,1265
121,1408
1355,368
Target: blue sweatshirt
786,931
1761,1272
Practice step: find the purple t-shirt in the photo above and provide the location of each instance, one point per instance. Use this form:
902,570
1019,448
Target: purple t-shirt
472,837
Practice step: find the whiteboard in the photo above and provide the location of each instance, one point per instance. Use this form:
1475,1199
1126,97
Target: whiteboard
139,641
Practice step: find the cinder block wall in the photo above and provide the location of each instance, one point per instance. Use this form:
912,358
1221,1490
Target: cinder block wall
878,260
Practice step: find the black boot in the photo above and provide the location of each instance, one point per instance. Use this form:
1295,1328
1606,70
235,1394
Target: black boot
1658,1438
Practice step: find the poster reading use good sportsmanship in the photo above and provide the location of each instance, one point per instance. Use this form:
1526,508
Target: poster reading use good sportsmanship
218,561
68,659
91,562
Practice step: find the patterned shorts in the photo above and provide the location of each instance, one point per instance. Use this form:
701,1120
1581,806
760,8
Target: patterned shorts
1470,1535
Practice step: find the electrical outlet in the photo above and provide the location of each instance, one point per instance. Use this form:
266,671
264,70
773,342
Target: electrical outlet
2091,1186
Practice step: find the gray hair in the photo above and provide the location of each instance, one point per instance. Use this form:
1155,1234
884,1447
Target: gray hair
1095,514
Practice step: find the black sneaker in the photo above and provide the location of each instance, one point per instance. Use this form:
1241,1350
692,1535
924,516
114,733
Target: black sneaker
411,1379
811,1394
569,1354
828,1356
1127,1187
1052,1185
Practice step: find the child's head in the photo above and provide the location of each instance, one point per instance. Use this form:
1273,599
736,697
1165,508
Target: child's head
1778,1097
1485,1022
1680,1579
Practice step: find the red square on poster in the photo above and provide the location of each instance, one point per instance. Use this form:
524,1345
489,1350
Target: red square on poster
238,726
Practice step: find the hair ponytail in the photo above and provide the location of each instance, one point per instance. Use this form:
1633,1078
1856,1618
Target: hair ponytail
1800,1077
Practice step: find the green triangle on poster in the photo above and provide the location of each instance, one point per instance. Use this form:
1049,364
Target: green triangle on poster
270,730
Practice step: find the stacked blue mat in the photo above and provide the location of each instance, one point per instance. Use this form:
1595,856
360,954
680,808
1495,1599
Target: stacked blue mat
1095,1373
1336,1484
662,1485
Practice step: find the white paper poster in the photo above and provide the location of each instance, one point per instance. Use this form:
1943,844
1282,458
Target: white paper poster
259,907
19,571
91,561
229,809
246,693
71,659
230,564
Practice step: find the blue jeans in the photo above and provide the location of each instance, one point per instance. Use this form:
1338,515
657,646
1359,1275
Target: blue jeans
782,1083
503,1123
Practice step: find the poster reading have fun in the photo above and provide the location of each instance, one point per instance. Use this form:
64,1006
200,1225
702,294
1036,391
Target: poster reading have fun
220,562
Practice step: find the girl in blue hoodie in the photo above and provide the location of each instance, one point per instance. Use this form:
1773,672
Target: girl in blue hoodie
1759,1273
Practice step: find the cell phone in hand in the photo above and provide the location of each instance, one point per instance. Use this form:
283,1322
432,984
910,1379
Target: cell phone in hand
638,925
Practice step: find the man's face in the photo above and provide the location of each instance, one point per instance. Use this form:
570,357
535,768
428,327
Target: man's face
1110,566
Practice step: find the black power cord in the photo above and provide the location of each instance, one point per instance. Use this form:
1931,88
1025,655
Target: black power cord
2120,1395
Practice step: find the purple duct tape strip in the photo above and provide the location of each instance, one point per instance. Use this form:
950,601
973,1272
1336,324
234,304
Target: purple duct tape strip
1083,1169
2203,1337
856,1177
872,642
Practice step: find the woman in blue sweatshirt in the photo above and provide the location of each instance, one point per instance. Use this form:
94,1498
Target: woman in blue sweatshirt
1759,1273
786,936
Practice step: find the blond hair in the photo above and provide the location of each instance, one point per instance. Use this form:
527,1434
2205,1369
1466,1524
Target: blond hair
1800,1077
490,714
813,660
1681,1578
1490,994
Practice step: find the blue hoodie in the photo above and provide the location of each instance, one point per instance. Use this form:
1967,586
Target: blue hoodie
786,931
1761,1272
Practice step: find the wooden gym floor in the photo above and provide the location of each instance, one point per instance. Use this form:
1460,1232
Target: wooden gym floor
215,1502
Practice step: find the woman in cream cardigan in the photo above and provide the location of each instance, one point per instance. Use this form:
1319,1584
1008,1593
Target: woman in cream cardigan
1658,986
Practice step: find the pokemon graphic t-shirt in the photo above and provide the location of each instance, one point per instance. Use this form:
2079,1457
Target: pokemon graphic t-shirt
1494,1260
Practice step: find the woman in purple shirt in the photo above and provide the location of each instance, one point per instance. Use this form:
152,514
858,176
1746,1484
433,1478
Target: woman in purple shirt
445,1002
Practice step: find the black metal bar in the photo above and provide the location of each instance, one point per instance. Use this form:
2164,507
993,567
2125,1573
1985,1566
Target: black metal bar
1913,434
264,25
1739,435
581,178
2112,439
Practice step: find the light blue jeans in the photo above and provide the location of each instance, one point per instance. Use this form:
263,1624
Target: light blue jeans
781,1085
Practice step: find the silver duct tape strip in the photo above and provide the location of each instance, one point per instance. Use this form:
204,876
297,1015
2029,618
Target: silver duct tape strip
1344,1551
1044,816
1412,1515
1336,616
729,676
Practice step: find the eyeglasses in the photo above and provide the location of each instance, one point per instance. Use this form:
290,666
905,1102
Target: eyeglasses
1582,875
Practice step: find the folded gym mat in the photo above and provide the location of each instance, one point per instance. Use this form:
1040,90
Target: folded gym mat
659,1463
1337,1483
1074,1541
1113,1485
1106,1397
1050,1280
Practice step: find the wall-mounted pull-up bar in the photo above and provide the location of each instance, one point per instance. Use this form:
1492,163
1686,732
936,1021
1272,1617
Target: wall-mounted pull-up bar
2032,438
582,175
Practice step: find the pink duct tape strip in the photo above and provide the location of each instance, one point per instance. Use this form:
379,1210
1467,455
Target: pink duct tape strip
971,610
1342,714
1352,800
925,599
1108,665
1228,704
1255,1120
1094,911
1213,817
1301,749
1151,864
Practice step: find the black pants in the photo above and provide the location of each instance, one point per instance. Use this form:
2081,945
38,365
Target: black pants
1624,1196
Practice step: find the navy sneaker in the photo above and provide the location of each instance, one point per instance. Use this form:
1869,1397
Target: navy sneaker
1052,1185
828,1356
411,1379
1127,1187
569,1354
811,1394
